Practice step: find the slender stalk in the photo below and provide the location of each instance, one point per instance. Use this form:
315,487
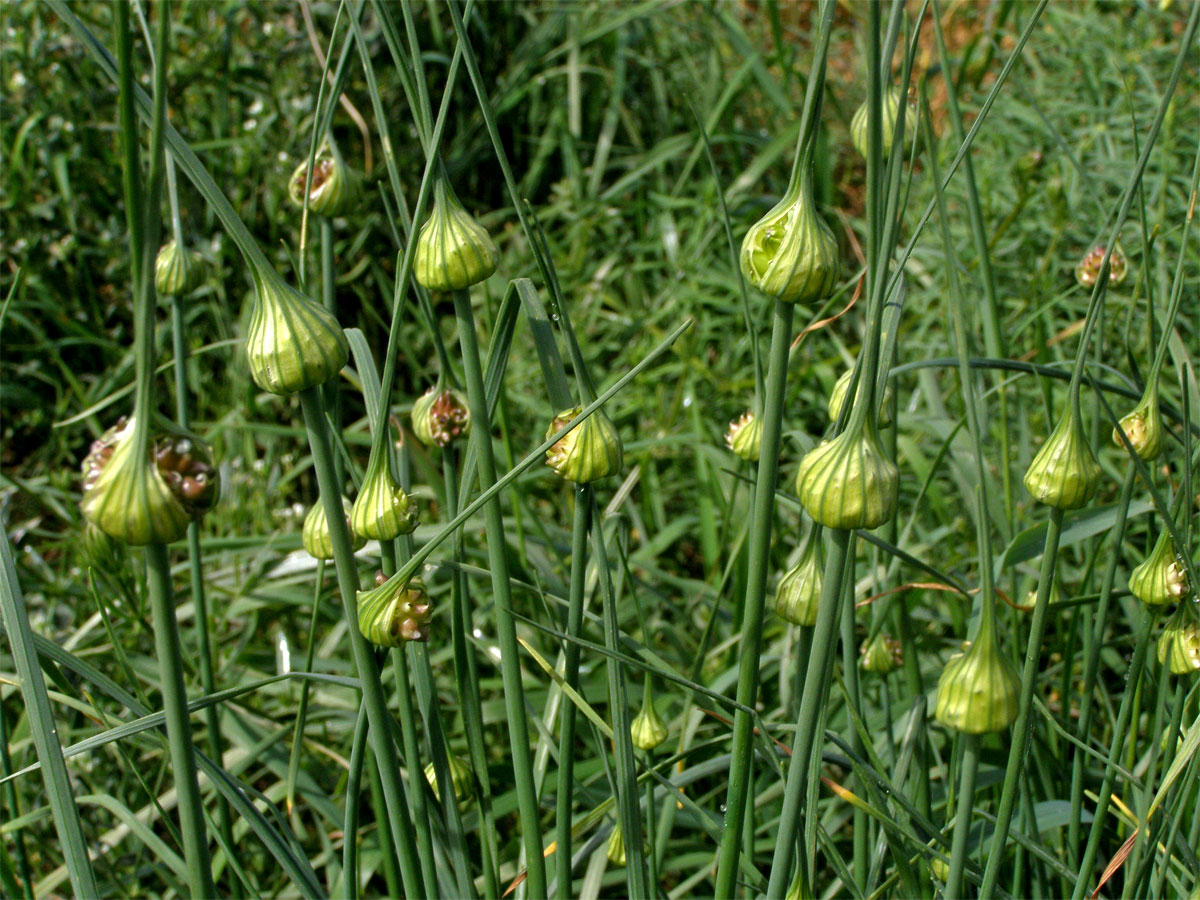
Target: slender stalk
179,734
506,631
566,740
962,819
1120,734
350,813
854,699
467,674
310,651
806,723
364,660
1022,727
1095,638
412,756
762,516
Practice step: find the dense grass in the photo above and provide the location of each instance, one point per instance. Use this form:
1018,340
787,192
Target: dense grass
603,111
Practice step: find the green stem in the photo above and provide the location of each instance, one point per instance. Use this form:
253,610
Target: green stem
364,660
962,819
1023,726
350,813
854,699
566,741
179,730
806,723
628,801
467,674
416,772
1095,636
752,618
310,652
506,631
1120,734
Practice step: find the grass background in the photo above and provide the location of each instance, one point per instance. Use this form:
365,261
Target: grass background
597,104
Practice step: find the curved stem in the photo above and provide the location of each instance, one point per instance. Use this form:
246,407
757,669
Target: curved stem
566,741
179,729
1022,727
364,660
506,630
752,618
824,639
962,819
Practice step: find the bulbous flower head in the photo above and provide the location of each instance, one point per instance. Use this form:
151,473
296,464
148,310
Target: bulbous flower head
799,593
453,250
979,690
589,452
395,612
1087,270
848,482
1143,426
150,499
441,416
1179,644
648,729
382,510
615,850
888,114
335,187
744,436
790,253
1161,578
837,397
1064,472
461,781
315,534
881,655
177,271
293,343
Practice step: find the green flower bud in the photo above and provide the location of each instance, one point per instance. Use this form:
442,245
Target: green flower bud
1143,426
382,510
616,847
790,253
881,655
744,436
293,343
939,868
461,781
979,690
848,482
588,453
1064,473
150,499
453,250
395,612
887,121
315,533
799,593
838,396
647,729
177,271
334,189
440,416
1088,268
1161,578
1179,644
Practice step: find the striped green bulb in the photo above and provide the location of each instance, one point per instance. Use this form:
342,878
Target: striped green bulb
848,482
395,612
979,690
293,343
587,453
1161,577
382,510
453,250
315,536
1064,472
177,271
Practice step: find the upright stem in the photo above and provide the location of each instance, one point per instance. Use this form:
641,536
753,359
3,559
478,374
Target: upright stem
854,700
1022,727
566,740
379,718
506,630
756,582
412,756
1120,733
179,733
962,818
824,632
